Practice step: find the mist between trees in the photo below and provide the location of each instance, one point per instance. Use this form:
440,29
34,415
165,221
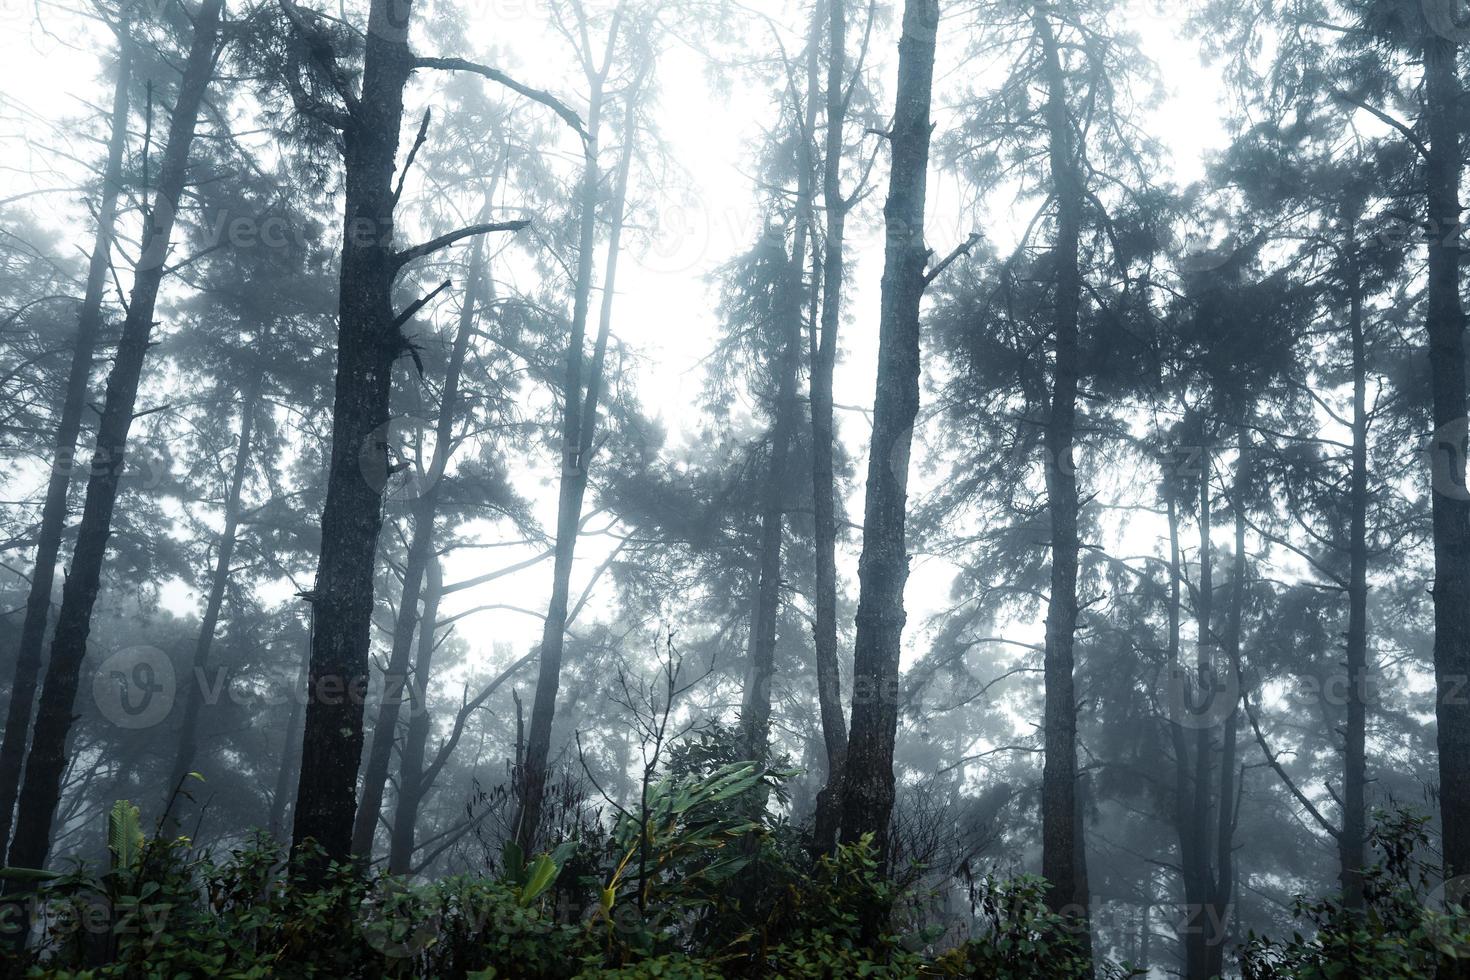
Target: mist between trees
687,488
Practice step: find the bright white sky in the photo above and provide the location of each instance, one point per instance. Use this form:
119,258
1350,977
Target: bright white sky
665,306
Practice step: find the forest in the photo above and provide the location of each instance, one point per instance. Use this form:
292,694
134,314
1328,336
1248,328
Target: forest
734,488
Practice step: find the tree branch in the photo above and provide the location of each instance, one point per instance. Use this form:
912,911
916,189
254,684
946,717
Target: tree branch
447,749
1275,764
1386,119
470,583
444,241
963,249
419,304
496,75
413,152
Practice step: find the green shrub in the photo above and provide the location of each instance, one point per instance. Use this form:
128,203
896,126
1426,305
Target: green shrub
654,897
1403,933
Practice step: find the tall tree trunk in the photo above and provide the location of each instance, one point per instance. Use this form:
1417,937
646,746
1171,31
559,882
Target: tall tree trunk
290,748
411,783
41,789
368,342
1198,881
420,552
573,487
755,707
1352,846
1144,931
385,726
1217,920
53,511
189,729
867,796
579,421
1189,853
1061,837
1445,323
824,494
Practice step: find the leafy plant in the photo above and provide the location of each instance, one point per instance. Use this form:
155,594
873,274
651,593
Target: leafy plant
1406,930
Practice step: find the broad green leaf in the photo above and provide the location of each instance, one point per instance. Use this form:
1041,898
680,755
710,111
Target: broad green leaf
543,872
513,862
28,874
124,834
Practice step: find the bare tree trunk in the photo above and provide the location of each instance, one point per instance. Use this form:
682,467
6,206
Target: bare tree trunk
1198,881
53,511
411,782
1144,935
1189,851
867,796
41,789
824,494
420,552
1217,921
1061,837
755,707
189,729
579,420
290,748
1352,842
532,775
385,726
368,342
1445,324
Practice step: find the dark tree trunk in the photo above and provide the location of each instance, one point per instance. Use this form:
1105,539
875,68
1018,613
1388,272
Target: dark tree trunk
824,494
573,488
1217,920
867,796
755,707
1144,935
193,684
420,552
1194,837
41,789
1189,853
1205,797
1352,842
368,342
579,420
395,677
53,511
1445,323
1189,780
290,749
1061,837
411,782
